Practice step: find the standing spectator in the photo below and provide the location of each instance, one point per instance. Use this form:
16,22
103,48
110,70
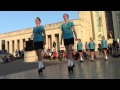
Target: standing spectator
84,54
99,48
22,54
54,55
16,52
19,53
60,55
86,47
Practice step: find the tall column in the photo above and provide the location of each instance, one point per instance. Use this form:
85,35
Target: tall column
46,46
21,44
60,40
53,40
115,23
15,46
104,24
95,28
6,46
26,39
86,25
10,47
0,45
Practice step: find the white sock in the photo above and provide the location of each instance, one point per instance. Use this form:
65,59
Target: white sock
69,62
42,64
39,64
81,59
106,57
92,58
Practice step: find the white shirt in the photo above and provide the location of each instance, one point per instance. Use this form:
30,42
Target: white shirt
50,54
53,49
87,46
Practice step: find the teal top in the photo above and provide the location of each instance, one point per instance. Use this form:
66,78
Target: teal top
92,45
104,44
37,31
67,30
79,46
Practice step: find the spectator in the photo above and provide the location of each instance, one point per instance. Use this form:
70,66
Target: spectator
60,55
86,47
19,53
16,52
99,48
64,54
54,55
84,54
49,55
22,54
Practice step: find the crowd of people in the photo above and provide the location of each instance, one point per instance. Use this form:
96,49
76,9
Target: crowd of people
19,54
6,57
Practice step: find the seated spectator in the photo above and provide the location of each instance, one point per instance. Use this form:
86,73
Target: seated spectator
5,59
84,54
11,58
49,55
64,54
54,55
45,56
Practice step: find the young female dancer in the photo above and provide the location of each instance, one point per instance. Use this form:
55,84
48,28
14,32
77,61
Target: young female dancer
67,34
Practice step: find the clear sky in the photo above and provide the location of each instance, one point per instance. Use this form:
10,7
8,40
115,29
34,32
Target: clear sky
17,20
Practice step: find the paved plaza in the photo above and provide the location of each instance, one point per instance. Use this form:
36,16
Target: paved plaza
99,69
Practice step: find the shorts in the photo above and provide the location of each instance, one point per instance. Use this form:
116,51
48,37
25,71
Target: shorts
99,49
92,50
79,50
38,45
68,41
87,50
104,48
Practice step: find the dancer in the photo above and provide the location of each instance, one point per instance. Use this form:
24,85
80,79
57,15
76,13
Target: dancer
67,34
92,49
39,42
79,48
104,47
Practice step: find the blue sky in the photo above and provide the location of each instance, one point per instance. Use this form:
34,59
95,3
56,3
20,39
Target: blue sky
17,20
